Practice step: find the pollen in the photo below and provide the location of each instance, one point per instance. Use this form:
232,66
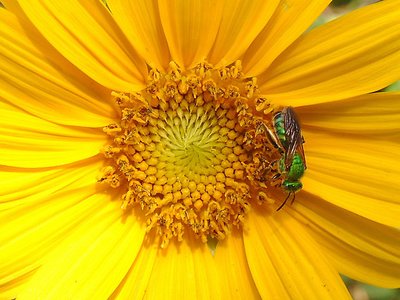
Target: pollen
191,151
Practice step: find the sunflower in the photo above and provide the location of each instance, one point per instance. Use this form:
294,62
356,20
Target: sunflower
140,152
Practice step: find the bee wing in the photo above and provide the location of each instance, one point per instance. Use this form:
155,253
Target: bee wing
301,151
293,136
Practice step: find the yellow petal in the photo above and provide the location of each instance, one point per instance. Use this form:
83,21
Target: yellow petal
184,270
291,18
44,83
86,34
353,55
285,261
30,187
37,211
356,173
190,28
362,249
230,259
91,262
11,289
38,233
30,142
241,22
134,285
140,22
374,115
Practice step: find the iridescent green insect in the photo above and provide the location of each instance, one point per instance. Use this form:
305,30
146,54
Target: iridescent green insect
292,183
288,139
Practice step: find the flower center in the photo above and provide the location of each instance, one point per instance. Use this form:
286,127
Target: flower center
191,151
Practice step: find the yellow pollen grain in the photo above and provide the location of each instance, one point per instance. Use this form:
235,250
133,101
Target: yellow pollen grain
237,165
157,189
220,187
184,181
139,147
168,198
226,150
184,150
232,157
146,154
185,192
151,170
140,175
198,204
230,182
201,188
239,174
177,195
211,179
152,161
230,143
137,158
151,179
196,195
210,189
230,124
229,172
147,187
187,202
203,179
205,197
171,180
161,181
143,166
232,134
177,186
167,188
220,177
192,186
217,195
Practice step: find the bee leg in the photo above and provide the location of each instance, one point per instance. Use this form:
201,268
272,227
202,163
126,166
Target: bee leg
274,180
274,164
276,176
272,138
284,202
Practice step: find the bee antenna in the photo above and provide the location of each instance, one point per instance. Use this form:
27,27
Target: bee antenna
294,197
284,202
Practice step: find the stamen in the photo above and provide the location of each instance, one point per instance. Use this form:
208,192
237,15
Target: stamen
191,152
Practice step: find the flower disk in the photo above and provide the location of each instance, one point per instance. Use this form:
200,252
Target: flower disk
188,148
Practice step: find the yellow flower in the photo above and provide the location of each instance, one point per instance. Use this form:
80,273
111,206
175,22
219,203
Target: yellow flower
136,160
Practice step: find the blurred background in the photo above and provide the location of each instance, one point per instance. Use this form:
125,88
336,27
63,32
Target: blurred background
341,7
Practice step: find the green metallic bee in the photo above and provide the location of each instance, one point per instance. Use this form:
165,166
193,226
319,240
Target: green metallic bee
292,183
288,139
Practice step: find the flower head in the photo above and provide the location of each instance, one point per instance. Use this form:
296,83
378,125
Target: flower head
147,149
